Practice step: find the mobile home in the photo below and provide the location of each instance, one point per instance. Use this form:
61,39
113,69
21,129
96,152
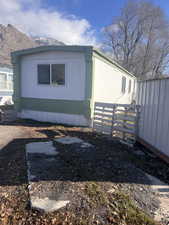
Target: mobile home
6,84
62,83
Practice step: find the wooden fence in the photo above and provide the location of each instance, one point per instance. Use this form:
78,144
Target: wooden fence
116,120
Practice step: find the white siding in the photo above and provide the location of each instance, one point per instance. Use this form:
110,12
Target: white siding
108,84
74,88
77,120
153,96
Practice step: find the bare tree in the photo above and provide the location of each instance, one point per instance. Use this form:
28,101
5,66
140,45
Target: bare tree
139,39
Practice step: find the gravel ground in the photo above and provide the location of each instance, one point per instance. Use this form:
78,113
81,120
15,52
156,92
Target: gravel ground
55,179
97,181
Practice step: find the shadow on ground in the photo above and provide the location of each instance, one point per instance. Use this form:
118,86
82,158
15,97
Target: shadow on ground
104,162
107,161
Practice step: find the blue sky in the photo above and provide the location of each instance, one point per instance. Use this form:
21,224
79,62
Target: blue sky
70,21
98,12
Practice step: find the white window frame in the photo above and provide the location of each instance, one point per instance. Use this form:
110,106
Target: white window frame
10,74
7,81
50,78
6,75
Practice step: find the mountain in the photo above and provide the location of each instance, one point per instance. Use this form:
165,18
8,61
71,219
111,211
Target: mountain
11,39
47,41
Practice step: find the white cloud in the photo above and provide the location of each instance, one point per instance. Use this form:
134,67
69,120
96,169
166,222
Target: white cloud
113,28
30,17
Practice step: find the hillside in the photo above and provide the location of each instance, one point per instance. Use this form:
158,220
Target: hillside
11,39
46,41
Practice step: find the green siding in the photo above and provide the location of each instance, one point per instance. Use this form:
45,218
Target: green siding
17,81
55,105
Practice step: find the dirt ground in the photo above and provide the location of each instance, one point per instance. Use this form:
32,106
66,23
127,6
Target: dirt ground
8,133
106,185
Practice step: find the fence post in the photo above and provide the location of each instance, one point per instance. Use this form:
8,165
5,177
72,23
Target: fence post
137,121
113,118
124,123
102,119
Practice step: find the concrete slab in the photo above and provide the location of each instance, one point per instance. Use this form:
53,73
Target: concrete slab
47,205
30,176
69,140
41,173
46,148
73,140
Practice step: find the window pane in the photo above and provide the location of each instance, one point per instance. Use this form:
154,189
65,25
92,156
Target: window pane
44,74
123,87
129,90
58,74
3,81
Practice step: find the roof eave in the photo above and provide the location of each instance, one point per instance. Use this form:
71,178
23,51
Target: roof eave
51,48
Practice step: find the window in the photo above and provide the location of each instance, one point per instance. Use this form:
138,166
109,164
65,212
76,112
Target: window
51,74
58,74
3,80
44,74
129,88
123,86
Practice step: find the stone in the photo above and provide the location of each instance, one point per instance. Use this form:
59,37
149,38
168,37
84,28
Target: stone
47,205
111,191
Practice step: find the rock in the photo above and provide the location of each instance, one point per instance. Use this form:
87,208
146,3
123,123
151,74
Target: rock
111,191
46,204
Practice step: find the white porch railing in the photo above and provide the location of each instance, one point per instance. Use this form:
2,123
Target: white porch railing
6,86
